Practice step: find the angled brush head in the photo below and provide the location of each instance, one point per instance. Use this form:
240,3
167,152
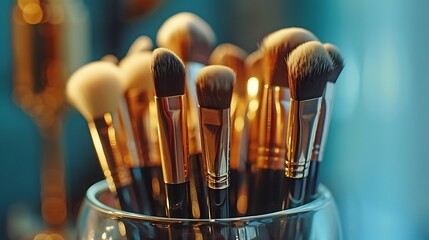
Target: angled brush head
95,89
168,73
189,36
335,54
215,85
309,66
234,57
276,47
136,71
142,43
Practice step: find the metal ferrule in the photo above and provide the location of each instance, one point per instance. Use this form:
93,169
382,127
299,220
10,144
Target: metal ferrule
103,133
127,143
173,138
272,131
215,136
301,130
329,100
192,69
142,121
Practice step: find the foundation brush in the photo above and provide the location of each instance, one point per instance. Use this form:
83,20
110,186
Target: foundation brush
215,85
168,74
269,176
192,39
139,94
323,124
309,66
232,56
95,91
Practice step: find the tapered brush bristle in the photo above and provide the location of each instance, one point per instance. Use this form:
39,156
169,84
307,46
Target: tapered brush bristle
335,54
168,73
215,85
309,66
136,71
233,57
187,35
142,43
95,89
276,47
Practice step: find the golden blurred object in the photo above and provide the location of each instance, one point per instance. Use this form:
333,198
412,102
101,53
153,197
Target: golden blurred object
38,88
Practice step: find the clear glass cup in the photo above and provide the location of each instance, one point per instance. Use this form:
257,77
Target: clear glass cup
315,220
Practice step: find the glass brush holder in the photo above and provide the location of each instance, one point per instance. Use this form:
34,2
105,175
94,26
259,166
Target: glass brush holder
98,219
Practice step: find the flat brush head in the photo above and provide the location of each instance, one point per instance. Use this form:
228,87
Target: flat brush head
234,57
214,87
136,71
276,48
168,73
309,66
142,43
95,89
189,36
335,54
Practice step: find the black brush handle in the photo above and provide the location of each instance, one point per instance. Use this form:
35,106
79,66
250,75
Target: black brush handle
141,189
312,182
294,189
218,203
178,200
127,199
156,190
268,194
199,194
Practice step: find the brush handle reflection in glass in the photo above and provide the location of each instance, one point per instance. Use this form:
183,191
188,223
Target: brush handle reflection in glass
315,220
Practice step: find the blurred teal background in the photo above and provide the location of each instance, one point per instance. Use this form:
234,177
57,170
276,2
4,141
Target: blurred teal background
376,160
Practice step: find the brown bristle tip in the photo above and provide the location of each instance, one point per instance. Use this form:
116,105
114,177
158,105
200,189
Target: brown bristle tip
254,66
168,73
188,35
215,85
136,71
276,47
142,43
110,58
338,60
309,66
95,89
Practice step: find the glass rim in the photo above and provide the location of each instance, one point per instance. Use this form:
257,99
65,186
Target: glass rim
323,199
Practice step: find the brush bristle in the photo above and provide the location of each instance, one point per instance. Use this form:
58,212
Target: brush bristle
276,47
168,73
142,43
233,57
110,58
136,71
335,54
189,36
309,66
215,85
254,67
95,89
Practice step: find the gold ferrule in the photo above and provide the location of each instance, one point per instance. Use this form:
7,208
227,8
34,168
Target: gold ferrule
192,69
273,126
103,133
173,138
144,127
127,143
301,130
215,137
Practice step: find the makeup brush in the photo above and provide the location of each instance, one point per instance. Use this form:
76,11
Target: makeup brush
95,91
309,66
233,57
141,44
323,124
139,93
168,74
270,160
214,90
192,39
